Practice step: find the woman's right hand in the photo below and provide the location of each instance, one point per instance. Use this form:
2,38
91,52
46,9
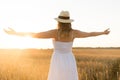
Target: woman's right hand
10,31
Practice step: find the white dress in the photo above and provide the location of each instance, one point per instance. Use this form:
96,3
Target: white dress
63,64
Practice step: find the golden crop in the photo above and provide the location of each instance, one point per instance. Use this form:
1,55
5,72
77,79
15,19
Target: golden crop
33,64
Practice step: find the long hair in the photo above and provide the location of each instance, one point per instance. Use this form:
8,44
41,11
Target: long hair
64,30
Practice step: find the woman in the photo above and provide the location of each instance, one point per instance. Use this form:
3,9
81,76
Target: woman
63,64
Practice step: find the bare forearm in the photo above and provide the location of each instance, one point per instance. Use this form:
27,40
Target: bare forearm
96,33
24,34
33,35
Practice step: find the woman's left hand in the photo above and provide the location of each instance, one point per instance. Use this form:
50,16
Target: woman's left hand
107,31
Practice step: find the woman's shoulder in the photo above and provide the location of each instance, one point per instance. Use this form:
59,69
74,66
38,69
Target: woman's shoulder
75,31
52,30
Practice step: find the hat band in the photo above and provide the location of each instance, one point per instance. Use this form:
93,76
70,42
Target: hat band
62,17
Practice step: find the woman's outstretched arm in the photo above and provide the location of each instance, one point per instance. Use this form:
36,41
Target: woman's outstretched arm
80,34
45,34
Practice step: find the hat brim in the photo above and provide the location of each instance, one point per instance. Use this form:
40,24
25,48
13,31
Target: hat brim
63,20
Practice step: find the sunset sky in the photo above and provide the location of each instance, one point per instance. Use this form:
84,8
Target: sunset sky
38,15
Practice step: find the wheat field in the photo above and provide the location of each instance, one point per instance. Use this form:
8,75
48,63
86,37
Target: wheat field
33,64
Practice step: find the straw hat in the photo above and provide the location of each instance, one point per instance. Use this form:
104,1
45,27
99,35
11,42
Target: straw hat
64,17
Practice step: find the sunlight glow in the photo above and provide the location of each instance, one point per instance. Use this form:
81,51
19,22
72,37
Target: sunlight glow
12,41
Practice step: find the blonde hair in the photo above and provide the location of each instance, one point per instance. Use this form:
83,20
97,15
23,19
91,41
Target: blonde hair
64,30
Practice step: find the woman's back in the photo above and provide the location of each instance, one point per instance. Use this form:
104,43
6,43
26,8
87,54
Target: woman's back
69,38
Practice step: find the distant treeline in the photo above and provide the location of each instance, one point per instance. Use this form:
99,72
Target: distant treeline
96,47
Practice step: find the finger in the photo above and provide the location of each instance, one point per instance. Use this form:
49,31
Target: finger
108,29
10,29
5,30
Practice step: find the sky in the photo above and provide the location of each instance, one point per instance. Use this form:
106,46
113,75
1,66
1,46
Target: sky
38,15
